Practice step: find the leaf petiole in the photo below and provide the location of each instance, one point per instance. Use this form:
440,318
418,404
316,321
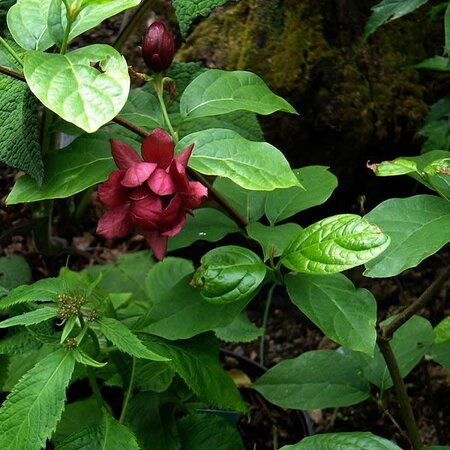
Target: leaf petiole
11,51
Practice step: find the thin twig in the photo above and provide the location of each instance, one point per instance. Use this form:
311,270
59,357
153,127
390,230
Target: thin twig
12,73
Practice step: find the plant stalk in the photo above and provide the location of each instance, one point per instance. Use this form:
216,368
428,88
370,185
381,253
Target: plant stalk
265,321
426,296
11,51
12,73
129,391
400,390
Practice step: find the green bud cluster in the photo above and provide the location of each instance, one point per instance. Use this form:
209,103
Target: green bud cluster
70,343
92,315
70,305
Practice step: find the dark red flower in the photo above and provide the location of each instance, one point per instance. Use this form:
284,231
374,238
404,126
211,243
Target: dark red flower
152,194
158,47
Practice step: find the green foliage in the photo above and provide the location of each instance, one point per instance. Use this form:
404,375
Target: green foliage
338,441
229,274
107,434
14,271
388,10
335,244
219,92
30,318
56,81
188,10
19,128
206,432
30,413
240,330
345,314
252,165
418,227
311,381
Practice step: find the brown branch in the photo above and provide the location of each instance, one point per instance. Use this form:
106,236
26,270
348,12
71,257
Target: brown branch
12,73
426,296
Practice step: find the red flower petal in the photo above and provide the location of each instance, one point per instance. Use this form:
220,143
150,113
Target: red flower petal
115,223
183,157
156,242
170,214
139,193
178,174
177,225
158,148
161,183
194,197
124,155
137,174
111,192
145,212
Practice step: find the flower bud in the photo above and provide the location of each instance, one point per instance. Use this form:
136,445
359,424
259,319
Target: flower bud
158,47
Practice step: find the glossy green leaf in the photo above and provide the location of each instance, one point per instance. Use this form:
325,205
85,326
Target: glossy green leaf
440,353
439,63
109,434
181,312
207,224
196,360
240,330
219,92
335,244
30,413
442,331
125,340
151,416
70,86
207,431
83,358
31,317
418,227
19,128
84,163
45,290
409,344
91,14
229,274
252,165
27,22
345,314
318,185
188,10
249,203
14,271
273,239
311,381
388,10
341,441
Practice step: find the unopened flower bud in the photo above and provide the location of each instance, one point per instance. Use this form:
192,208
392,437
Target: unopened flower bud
158,47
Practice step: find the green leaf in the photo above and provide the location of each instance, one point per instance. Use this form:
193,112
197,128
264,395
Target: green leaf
83,358
153,376
75,90
18,343
273,239
438,175
188,10
152,418
345,314
207,224
109,434
229,274
45,290
181,312
409,344
340,441
27,22
14,271
164,275
82,164
389,10
249,203
91,14
196,360
439,63
125,340
30,413
252,165
219,92
418,227
77,415
207,431
240,330
30,318
318,184
335,244
442,331
440,353
19,128
312,381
